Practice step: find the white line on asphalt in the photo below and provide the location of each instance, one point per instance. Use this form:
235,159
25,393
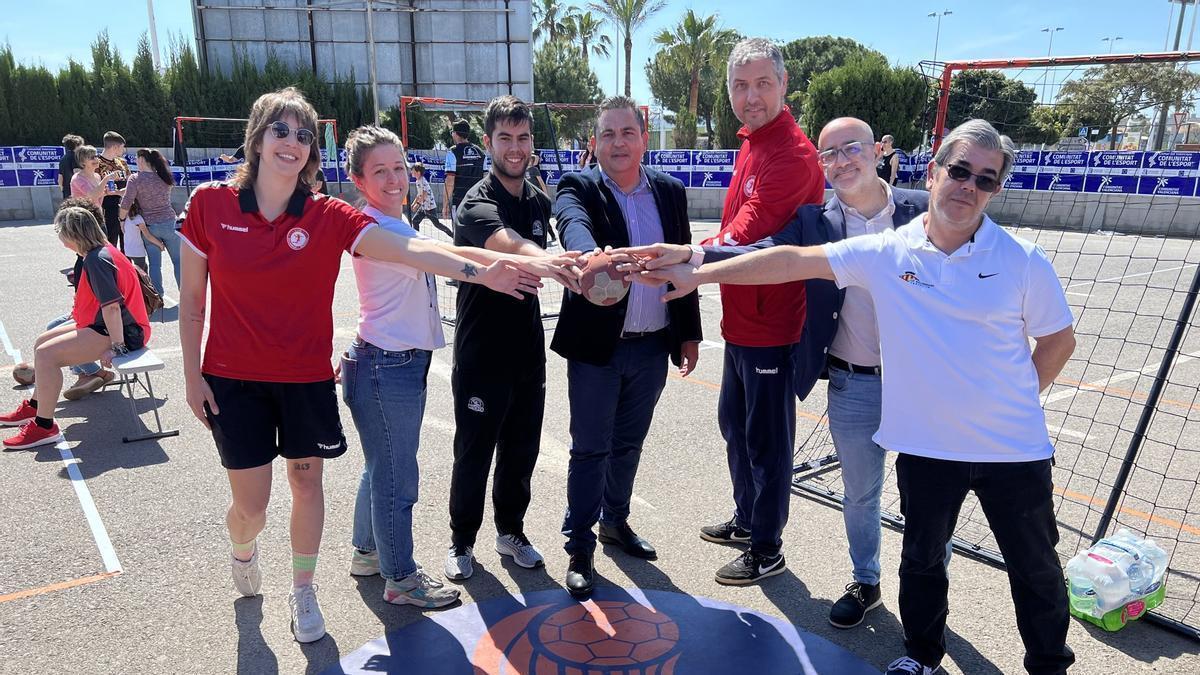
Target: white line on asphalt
99,533
8,346
1130,276
1063,431
1149,369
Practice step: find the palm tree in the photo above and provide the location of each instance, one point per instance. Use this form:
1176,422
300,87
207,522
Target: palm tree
583,28
549,17
697,42
628,16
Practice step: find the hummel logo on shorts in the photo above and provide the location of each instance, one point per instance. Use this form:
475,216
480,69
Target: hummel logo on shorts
766,371
323,446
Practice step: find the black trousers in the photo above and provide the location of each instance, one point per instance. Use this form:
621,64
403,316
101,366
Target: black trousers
431,216
1017,499
112,220
501,413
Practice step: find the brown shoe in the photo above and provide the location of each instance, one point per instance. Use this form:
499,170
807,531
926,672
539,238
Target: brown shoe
87,384
23,374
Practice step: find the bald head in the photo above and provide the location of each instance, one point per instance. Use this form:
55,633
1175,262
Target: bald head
847,149
847,127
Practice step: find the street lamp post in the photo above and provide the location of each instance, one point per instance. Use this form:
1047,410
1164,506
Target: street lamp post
937,36
1112,42
1046,82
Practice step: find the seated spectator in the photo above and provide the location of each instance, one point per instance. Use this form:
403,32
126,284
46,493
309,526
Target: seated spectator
108,320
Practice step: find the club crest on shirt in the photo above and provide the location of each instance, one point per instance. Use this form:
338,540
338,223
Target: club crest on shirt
475,404
910,277
297,238
748,188
537,228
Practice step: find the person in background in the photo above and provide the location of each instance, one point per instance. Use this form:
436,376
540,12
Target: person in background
108,320
136,238
424,207
112,163
150,189
887,166
464,168
534,175
66,165
87,183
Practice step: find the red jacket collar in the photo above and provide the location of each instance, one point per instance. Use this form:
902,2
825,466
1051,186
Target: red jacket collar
782,121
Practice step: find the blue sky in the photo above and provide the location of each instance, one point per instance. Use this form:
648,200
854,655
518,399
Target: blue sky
902,31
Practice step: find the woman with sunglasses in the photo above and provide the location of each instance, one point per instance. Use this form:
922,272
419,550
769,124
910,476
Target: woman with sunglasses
270,250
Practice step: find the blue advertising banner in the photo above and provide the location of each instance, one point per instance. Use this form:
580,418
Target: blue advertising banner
1062,171
712,168
200,171
1169,173
1113,172
1024,171
37,165
677,163
434,162
8,168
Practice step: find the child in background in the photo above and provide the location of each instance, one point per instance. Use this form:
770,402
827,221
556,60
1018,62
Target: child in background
424,205
136,236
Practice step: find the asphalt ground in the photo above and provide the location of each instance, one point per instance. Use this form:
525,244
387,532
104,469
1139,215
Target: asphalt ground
161,504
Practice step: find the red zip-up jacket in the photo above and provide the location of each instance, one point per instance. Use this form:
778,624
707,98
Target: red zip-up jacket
776,172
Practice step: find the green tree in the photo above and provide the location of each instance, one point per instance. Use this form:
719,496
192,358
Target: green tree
628,16
808,57
1108,95
583,29
696,42
1004,101
152,119
685,129
549,19
560,77
890,100
8,64
727,124
35,104
1051,123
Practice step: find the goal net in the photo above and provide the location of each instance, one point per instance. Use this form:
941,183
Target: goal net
1107,184
210,148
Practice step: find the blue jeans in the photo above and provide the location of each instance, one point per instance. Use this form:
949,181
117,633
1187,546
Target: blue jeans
855,401
90,368
165,231
385,392
611,410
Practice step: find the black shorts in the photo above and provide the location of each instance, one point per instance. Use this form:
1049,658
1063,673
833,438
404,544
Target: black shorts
260,421
134,337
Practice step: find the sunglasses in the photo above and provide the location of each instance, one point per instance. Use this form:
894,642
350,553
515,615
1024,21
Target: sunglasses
849,151
962,174
282,131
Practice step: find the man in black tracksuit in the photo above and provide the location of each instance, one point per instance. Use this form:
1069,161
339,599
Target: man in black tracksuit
464,169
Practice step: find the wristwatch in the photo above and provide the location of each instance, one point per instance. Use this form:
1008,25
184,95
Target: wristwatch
697,258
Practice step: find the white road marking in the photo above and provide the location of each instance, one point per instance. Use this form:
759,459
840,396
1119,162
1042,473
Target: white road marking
1149,369
8,346
1063,431
1130,276
99,533
711,344
551,448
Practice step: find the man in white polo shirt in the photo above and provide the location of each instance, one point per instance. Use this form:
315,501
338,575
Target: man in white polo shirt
956,299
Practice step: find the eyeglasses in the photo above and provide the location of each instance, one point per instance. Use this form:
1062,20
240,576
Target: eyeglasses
962,174
849,151
282,131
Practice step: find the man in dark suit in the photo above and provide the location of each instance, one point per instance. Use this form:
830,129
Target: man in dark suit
840,339
617,355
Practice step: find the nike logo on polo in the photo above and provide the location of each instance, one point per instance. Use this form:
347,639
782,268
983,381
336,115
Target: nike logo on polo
763,570
234,228
987,276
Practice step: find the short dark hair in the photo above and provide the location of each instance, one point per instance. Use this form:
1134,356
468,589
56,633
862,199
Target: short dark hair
418,167
461,127
113,138
508,108
618,103
72,141
83,203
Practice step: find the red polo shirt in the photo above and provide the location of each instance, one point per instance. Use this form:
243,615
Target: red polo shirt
776,172
272,282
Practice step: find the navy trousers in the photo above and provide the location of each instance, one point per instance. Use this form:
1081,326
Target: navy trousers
611,410
757,416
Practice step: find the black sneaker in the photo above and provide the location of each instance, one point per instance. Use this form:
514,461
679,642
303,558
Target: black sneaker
749,567
725,533
854,605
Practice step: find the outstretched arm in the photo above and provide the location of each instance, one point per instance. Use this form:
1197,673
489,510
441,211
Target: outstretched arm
777,265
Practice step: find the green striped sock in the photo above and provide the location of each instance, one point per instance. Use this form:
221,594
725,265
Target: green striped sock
243,552
304,566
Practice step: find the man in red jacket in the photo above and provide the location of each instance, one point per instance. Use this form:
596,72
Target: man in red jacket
775,173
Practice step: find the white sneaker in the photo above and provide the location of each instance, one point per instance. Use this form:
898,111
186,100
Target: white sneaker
308,625
520,550
364,564
419,589
460,562
247,577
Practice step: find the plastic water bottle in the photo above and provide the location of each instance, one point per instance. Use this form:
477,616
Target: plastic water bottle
1082,593
1149,566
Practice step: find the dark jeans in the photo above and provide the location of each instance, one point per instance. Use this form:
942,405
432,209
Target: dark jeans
502,412
431,216
112,220
757,416
611,409
1017,498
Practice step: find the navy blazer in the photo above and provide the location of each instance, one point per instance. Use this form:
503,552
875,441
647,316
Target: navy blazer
588,216
811,226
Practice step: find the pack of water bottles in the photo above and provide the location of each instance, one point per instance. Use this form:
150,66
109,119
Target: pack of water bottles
1118,579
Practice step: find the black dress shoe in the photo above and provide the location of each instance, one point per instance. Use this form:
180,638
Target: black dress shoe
580,579
622,535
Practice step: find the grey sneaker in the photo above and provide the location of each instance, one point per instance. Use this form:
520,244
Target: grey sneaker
364,564
520,550
247,577
308,625
460,562
419,589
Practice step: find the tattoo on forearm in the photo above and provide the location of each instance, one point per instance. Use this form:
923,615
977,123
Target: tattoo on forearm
300,466
468,270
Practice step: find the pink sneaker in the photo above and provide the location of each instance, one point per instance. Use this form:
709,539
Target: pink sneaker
24,413
31,435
